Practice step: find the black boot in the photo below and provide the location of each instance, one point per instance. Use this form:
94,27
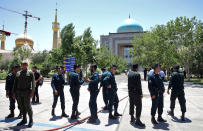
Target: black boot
105,107
20,116
53,112
139,123
183,117
132,119
117,114
171,113
11,115
24,121
73,115
160,119
111,116
30,122
64,114
78,113
153,120
91,120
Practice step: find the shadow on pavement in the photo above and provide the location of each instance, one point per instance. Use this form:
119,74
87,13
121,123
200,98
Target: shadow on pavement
111,122
175,119
54,118
18,128
8,120
163,126
136,126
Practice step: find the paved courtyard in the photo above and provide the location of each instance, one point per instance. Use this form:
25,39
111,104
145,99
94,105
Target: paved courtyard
43,119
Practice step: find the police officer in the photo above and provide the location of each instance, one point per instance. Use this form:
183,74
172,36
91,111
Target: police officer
75,83
23,90
104,88
176,84
57,84
38,77
111,85
8,87
135,94
93,89
156,89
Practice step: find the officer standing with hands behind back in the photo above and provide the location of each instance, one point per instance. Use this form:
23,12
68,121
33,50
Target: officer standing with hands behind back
135,94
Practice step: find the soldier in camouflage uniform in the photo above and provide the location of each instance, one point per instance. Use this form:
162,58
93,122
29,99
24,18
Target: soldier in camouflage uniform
23,90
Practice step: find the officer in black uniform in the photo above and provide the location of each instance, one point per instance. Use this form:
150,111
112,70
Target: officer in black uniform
38,77
93,89
156,89
135,94
104,88
57,84
176,84
111,85
8,87
75,83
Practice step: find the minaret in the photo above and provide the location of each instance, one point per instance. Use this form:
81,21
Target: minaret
55,28
3,39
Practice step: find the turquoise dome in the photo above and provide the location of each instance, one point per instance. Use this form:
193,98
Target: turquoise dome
130,28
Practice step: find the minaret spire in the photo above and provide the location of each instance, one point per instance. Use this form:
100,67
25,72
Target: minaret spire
56,14
55,28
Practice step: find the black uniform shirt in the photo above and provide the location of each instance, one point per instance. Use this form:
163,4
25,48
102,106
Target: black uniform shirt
10,82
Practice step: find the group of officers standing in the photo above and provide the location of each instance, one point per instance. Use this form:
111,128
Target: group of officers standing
108,83
156,89
21,85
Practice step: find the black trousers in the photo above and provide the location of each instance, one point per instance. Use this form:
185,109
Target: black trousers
181,98
62,99
75,94
93,103
36,94
135,100
113,100
145,76
105,95
12,103
157,102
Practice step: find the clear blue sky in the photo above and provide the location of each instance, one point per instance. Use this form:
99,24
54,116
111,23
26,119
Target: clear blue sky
103,16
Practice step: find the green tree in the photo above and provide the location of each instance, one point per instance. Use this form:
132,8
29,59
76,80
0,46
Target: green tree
23,52
67,39
14,62
39,57
174,43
